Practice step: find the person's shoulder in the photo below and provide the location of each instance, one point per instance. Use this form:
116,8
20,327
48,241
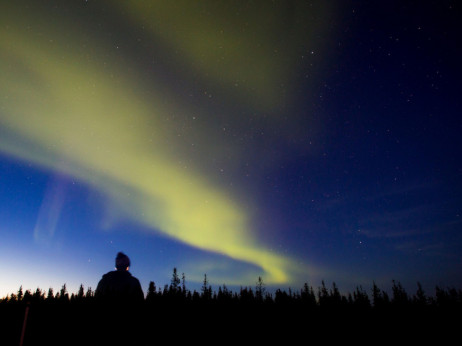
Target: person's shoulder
134,279
108,275
111,273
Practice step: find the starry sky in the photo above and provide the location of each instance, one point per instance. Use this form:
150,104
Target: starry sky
298,141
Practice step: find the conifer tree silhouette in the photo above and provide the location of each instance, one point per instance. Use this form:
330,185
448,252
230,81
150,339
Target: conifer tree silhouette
80,293
323,295
89,294
206,289
335,297
260,290
183,284
175,282
20,294
361,299
420,298
50,294
27,296
377,297
38,295
151,295
400,297
63,294
307,295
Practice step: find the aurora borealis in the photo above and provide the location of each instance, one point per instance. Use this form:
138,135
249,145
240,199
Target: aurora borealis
238,139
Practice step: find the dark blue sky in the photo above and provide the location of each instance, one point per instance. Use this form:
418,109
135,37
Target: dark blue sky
295,140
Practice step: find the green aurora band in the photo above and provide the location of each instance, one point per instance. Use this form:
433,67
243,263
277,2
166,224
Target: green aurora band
72,104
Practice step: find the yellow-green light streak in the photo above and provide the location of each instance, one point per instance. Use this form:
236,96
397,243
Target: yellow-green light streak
250,48
67,113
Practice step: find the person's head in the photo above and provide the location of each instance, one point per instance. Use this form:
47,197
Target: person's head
122,262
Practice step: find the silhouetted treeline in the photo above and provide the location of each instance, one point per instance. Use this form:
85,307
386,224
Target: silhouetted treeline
59,317
307,296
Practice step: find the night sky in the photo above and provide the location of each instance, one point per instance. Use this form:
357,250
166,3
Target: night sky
298,141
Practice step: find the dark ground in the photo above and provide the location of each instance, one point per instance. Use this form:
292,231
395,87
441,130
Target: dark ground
91,324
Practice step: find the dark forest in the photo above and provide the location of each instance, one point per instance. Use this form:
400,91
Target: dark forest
61,317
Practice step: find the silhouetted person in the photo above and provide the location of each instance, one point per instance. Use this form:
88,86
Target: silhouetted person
120,316
120,285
